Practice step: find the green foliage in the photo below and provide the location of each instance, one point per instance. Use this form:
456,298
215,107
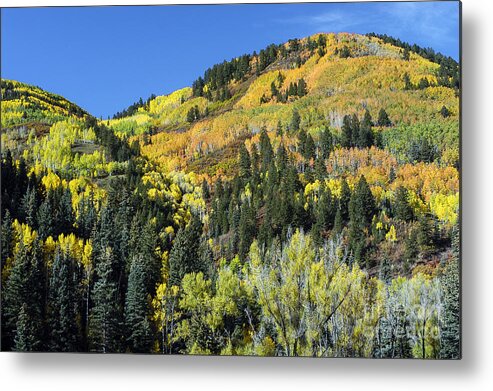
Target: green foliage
451,326
383,118
205,223
184,255
105,318
137,323
63,308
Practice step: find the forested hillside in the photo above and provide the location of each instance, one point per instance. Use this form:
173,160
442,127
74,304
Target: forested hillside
298,201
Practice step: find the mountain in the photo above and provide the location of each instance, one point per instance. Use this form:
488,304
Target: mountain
300,201
343,74
28,110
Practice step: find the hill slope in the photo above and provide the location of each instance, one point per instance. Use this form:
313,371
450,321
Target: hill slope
343,74
300,201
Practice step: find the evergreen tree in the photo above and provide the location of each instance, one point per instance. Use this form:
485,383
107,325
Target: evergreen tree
25,286
450,346
407,82
385,273
266,152
65,216
402,210
7,238
206,192
347,132
402,341
411,250
301,91
426,232
310,149
365,135
344,52
279,130
46,218
302,138
105,321
86,218
247,229
320,169
344,200
184,255
338,223
26,328
281,159
361,210
405,54
444,112
137,324
244,163
295,121
325,212
29,207
326,143
383,119
62,304
423,83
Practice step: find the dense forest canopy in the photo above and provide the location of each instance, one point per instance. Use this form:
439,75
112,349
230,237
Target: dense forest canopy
299,201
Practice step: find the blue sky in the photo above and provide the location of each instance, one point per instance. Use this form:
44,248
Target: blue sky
105,58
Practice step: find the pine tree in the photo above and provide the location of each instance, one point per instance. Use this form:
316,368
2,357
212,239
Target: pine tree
29,207
301,88
338,223
266,152
7,238
365,135
295,121
347,132
26,328
247,229
385,273
184,255
325,211
320,169
86,218
206,191
407,82
137,324
62,304
310,149
326,143
25,286
302,138
402,210
402,341
281,158
105,316
344,201
383,119
411,250
45,217
244,163
65,214
405,54
450,346
361,210
426,232
423,83
191,115
279,130
444,112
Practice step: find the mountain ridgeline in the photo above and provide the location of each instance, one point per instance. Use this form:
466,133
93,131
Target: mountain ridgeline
298,201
